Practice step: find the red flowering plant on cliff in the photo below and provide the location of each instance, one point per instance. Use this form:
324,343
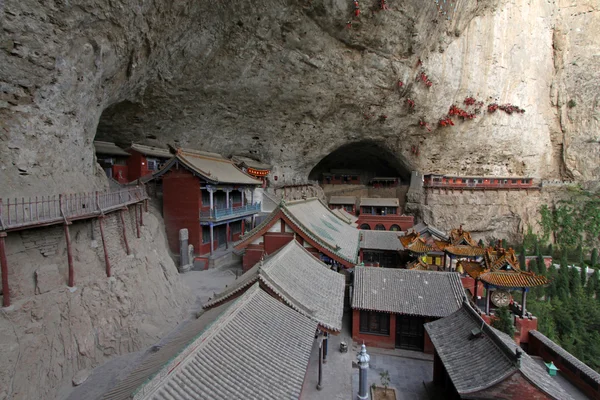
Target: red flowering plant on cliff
410,103
424,78
424,124
446,121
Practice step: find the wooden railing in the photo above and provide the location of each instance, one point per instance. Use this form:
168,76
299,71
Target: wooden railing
46,210
225,213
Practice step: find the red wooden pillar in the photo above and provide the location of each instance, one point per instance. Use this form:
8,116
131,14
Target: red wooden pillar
146,203
142,214
4,267
227,236
137,221
124,231
71,282
106,260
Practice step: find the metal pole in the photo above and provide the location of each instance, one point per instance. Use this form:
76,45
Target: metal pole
325,342
124,232
212,238
71,282
320,381
4,267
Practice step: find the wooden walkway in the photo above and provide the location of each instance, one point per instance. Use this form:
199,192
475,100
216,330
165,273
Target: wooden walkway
20,214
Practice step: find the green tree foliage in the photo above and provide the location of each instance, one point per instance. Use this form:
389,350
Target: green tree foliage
579,253
550,250
481,244
533,266
504,244
583,275
569,313
594,260
522,260
504,321
572,222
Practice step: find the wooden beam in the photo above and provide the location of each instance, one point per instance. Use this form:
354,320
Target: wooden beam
142,215
137,221
124,231
71,281
4,267
106,260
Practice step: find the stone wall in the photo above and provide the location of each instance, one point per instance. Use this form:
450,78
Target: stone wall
51,332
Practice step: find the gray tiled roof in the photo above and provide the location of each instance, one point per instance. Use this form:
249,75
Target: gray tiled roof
153,361
249,162
257,349
475,364
342,200
381,240
565,355
424,229
302,281
151,150
346,216
425,293
317,220
379,202
213,167
109,148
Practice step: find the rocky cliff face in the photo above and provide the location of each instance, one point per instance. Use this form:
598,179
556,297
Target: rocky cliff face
51,332
289,82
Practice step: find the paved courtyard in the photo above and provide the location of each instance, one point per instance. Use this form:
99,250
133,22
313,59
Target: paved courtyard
408,370
407,374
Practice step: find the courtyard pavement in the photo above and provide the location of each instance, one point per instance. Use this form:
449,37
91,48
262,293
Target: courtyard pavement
409,370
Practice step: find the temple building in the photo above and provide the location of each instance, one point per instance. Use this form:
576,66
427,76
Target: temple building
390,306
472,360
296,278
381,249
342,177
146,160
312,224
499,271
253,347
113,160
347,203
383,214
208,195
253,168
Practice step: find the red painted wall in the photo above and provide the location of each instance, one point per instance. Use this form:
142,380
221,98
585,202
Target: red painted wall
252,255
120,173
523,326
469,283
404,221
181,203
136,169
515,387
275,240
386,342
538,348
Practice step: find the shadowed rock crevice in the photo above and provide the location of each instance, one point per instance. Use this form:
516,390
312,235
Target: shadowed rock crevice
369,157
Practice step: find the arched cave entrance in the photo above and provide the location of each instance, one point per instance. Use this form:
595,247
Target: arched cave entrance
364,162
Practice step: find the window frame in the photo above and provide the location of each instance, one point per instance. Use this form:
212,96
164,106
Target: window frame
367,320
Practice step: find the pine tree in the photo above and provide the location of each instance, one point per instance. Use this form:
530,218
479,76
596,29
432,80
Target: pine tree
594,257
533,266
580,259
492,242
574,281
592,283
551,288
522,260
481,244
541,263
536,248
504,244
504,321
550,250
583,275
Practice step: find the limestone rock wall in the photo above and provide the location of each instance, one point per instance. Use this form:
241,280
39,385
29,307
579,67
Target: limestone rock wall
288,82
50,332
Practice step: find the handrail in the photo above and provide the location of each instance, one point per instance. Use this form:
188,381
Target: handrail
46,210
219,213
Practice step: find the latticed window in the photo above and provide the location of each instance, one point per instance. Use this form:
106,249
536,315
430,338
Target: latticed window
374,322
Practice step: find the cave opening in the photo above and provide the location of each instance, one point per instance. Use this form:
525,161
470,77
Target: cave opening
365,162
